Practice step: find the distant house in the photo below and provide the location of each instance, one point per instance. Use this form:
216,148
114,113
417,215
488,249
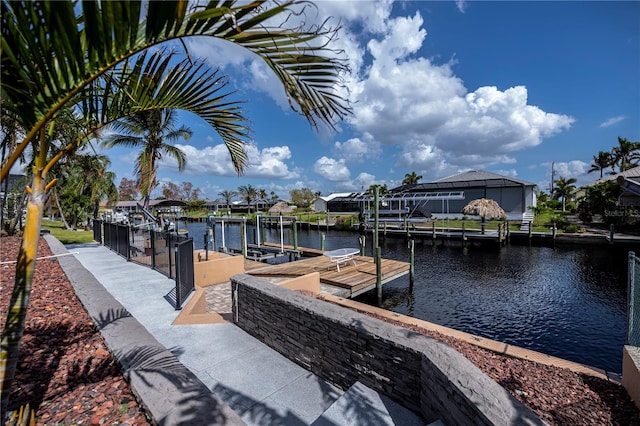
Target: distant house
629,180
447,197
336,202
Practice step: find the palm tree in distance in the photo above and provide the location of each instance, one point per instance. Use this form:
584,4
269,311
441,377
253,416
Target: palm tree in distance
564,189
411,178
603,160
248,194
153,132
227,196
626,155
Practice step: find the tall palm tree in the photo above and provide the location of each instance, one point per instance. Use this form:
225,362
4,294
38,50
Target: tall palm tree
411,178
248,194
85,182
228,196
603,160
102,182
626,155
152,132
564,189
94,57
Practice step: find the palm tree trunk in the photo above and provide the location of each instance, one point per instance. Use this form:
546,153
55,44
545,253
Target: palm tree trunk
14,324
18,217
64,220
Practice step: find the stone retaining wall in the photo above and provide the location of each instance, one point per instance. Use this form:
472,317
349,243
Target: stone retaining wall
343,346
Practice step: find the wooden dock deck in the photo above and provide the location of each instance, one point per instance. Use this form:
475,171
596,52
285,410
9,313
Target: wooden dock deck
357,278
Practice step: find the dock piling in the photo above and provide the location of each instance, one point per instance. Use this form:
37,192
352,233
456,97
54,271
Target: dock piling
611,233
411,263
379,273
464,233
295,235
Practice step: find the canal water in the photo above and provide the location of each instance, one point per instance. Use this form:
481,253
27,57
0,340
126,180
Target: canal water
568,302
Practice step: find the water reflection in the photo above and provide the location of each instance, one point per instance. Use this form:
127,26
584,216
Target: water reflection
566,302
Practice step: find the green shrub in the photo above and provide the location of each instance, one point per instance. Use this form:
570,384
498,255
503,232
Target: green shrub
572,228
558,220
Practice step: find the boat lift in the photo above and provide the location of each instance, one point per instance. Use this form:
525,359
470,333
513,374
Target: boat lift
257,251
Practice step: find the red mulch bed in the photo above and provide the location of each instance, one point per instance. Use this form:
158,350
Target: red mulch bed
559,396
65,371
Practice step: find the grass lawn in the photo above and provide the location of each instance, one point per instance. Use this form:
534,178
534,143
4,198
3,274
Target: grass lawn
66,236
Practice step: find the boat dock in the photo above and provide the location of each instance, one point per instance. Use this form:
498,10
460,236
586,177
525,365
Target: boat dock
354,279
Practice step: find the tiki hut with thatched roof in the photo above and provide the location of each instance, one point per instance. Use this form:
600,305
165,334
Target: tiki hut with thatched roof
485,208
280,208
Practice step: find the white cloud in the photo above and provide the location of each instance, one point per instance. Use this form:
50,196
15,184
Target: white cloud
511,172
363,181
357,149
269,162
612,121
331,169
215,161
405,98
461,5
571,169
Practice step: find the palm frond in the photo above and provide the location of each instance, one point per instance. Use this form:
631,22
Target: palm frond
54,51
188,86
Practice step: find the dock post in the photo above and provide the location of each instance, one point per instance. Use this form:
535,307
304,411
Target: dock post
376,220
295,236
411,263
384,235
243,237
611,233
206,246
379,273
508,232
433,230
257,229
224,246
322,241
212,233
281,234
464,233
530,230
553,233
361,240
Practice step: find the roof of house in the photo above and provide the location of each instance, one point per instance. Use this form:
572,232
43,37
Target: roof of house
633,173
469,179
335,195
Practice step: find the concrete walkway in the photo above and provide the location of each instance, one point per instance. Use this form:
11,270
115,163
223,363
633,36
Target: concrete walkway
230,377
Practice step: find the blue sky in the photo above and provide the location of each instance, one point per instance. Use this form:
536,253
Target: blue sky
438,88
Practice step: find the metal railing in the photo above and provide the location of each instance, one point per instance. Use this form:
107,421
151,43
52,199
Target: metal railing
184,271
633,301
167,253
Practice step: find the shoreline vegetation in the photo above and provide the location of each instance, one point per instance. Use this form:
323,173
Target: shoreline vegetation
68,375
